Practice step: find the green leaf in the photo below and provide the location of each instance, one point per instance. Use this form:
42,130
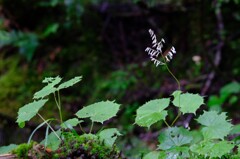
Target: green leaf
52,28
71,123
53,141
152,155
211,149
189,103
152,112
230,88
216,125
69,83
45,91
174,137
28,111
180,152
7,149
99,112
235,129
109,136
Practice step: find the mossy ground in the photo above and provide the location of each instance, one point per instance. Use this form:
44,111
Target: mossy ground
87,146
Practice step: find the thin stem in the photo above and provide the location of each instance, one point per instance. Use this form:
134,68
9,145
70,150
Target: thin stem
178,83
57,101
166,123
91,128
49,126
179,88
81,128
179,114
60,107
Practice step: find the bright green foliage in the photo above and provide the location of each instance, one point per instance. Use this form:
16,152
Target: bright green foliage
45,91
216,125
189,102
28,111
51,141
152,112
99,112
22,150
71,123
174,137
70,83
152,155
212,149
7,149
51,86
109,136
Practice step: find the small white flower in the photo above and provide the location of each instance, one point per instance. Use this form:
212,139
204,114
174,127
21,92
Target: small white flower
154,53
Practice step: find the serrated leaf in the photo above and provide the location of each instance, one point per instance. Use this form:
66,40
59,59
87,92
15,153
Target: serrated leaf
174,137
53,141
99,112
216,125
71,123
45,91
49,88
152,155
211,149
109,136
189,103
7,149
152,112
70,82
28,111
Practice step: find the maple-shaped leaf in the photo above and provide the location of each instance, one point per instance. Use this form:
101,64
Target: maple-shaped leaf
216,126
211,149
99,112
28,111
174,137
187,102
152,112
49,88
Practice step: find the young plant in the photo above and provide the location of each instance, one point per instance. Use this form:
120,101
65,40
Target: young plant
179,142
57,139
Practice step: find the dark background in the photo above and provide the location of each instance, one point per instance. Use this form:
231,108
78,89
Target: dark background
105,41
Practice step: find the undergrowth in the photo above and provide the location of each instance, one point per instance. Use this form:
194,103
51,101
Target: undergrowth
175,142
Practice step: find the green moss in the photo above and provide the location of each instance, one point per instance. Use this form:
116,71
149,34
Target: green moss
22,150
88,145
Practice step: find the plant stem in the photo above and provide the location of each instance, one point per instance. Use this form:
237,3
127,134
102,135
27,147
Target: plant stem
60,106
179,88
91,128
49,126
57,101
81,128
166,123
